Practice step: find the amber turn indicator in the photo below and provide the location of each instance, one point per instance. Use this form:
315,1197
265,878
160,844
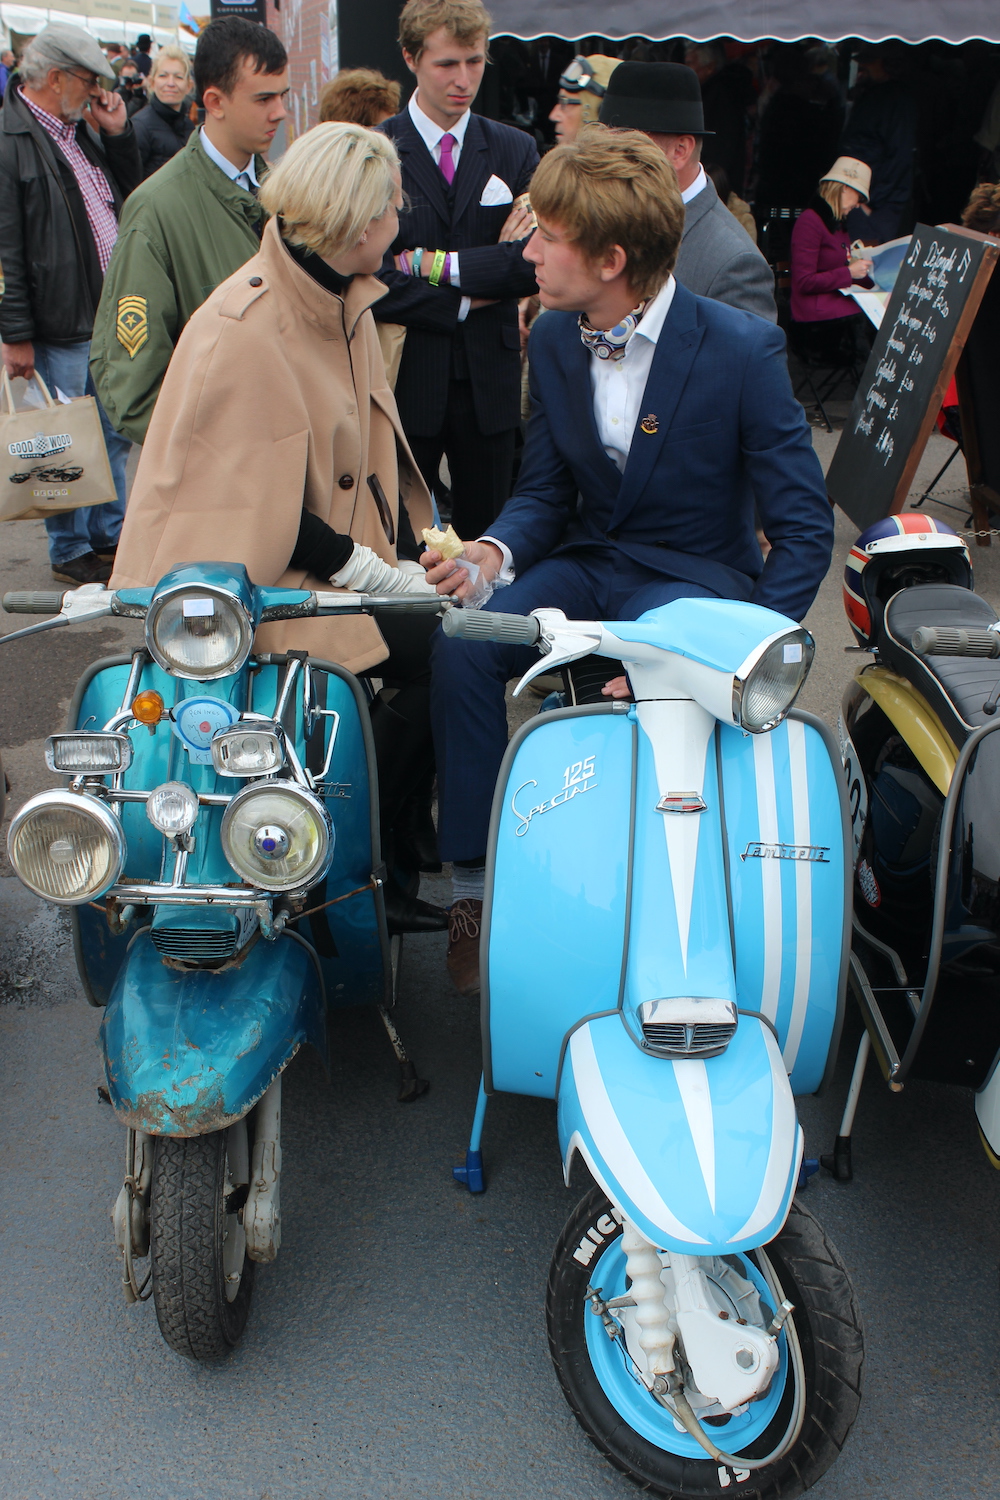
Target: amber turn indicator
147,707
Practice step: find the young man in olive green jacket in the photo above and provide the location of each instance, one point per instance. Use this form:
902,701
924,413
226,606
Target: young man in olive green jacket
192,224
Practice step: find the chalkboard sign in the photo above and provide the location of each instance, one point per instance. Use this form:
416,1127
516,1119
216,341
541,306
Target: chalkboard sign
932,307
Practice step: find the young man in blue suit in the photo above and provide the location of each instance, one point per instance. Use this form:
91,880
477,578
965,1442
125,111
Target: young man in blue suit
658,419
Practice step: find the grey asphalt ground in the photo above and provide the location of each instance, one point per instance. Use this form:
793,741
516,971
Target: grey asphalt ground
397,1345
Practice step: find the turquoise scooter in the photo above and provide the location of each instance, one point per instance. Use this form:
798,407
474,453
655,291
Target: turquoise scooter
216,838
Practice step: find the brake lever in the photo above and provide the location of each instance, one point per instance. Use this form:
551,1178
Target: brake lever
89,602
558,645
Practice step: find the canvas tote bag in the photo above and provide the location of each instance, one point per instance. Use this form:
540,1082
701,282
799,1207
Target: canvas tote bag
52,459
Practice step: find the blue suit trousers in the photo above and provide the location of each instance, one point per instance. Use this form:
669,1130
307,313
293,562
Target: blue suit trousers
469,678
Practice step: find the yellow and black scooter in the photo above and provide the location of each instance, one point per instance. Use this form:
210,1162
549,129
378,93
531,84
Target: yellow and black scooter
922,759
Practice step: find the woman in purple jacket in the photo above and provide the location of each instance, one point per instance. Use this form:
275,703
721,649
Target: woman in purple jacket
821,248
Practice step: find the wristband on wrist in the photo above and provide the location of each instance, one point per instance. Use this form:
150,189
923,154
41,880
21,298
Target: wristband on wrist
404,262
446,273
418,256
437,267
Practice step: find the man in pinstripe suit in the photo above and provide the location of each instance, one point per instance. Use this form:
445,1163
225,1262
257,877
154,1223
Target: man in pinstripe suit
452,284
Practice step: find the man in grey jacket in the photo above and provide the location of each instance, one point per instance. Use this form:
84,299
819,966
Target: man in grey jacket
717,257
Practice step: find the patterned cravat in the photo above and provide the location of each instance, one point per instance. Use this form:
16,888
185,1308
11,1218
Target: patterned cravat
447,160
611,344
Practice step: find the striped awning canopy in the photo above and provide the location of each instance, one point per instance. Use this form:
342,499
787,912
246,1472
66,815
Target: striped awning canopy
751,20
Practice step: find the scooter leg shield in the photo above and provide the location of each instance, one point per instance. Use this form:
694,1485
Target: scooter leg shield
189,1051
701,1155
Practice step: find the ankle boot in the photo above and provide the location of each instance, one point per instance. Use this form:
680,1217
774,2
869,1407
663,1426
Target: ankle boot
405,913
414,837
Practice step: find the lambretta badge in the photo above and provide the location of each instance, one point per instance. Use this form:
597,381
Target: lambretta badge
40,445
681,802
812,853
579,777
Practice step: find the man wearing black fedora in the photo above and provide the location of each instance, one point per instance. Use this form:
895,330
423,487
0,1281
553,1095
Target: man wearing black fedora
717,259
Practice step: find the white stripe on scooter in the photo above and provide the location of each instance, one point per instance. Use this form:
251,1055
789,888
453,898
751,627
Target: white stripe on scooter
770,874
614,1145
803,890
679,732
692,1085
784,1128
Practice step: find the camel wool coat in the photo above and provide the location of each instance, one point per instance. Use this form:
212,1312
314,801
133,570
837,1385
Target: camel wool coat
275,398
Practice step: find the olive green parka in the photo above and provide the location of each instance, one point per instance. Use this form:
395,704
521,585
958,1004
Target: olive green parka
183,232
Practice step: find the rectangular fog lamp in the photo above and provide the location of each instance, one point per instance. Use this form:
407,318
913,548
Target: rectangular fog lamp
85,754
245,751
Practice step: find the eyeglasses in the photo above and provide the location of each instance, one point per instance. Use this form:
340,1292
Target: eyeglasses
88,78
562,103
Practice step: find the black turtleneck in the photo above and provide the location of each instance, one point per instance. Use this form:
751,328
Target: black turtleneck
324,275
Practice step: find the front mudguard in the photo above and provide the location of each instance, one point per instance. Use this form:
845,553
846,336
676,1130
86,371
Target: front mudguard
701,1156
189,1051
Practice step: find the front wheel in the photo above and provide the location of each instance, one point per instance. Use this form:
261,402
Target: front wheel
202,1278
639,1436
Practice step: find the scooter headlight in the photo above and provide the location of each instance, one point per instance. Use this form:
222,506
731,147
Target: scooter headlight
201,633
88,753
247,751
277,836
65,847
767,684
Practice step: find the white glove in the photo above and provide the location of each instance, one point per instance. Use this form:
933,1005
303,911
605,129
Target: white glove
366,573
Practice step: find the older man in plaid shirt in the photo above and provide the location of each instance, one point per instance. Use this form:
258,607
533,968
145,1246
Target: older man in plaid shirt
68,158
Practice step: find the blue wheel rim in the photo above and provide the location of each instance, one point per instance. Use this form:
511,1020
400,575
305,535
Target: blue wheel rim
634,1403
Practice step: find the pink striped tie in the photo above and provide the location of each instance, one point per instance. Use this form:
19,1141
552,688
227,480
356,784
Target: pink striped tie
447,160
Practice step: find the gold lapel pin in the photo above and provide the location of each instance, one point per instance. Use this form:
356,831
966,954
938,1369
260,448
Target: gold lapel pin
650,424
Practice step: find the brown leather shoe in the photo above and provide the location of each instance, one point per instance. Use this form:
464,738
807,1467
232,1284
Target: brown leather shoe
465,920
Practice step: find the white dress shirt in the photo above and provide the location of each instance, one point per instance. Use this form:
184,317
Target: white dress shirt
619,384
618,388
700,182
431,135
246,177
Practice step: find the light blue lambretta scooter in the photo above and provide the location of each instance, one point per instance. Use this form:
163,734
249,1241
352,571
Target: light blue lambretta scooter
217,841
664,948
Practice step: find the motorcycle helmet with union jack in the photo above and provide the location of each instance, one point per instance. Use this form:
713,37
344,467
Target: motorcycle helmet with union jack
894,554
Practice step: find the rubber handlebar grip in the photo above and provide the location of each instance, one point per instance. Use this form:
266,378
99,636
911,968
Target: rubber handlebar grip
483,625
946,640
33,601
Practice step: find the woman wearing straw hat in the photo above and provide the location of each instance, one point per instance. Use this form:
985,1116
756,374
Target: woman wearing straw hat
821,258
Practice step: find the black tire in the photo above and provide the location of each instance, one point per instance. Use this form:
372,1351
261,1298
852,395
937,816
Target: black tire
188,1234
827,1321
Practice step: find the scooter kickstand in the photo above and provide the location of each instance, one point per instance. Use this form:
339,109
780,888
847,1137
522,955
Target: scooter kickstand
410,1086
838,1164
472,1173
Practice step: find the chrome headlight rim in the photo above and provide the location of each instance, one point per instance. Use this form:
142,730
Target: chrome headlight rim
54,741
258,789
742,677
207,590
71,802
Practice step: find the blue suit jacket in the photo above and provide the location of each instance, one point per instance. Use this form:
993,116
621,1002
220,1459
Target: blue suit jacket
728,432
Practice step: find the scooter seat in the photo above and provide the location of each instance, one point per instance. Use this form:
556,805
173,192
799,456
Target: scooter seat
956,687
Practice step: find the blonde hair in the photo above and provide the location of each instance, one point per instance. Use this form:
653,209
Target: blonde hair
169,54
833,193
329,186
464,20
360,95
614,187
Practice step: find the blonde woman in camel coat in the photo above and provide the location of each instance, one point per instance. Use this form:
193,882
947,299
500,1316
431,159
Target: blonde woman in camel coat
275,443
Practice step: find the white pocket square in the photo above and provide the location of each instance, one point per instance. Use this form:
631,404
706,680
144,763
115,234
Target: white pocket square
495,193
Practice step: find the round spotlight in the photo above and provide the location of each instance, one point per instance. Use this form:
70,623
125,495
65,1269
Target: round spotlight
278,836
66,847
172,808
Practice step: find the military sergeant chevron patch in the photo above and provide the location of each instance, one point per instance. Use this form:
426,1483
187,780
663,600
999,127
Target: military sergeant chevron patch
132,325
